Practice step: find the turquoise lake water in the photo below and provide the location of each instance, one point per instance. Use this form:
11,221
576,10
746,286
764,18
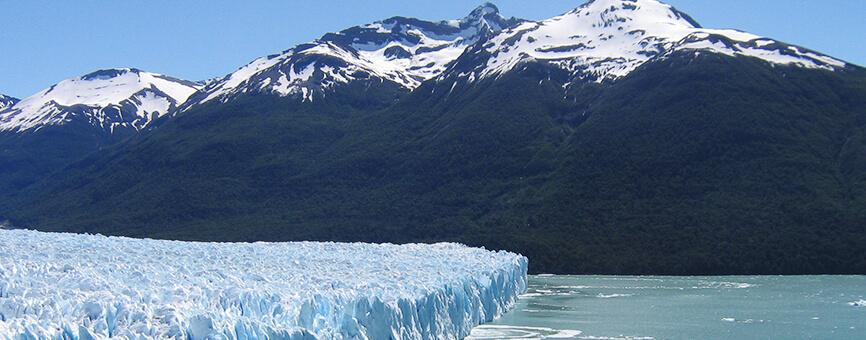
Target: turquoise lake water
746,307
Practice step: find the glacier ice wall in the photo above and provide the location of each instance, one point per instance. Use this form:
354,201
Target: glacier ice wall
67,286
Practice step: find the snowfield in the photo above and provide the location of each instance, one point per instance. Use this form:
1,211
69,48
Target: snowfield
84,286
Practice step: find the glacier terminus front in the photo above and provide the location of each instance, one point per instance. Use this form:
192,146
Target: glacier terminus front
69,286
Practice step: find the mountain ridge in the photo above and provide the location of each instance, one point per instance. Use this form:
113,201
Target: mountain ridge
338,58
405,51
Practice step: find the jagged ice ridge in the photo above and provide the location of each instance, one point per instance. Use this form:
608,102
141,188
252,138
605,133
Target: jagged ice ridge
86,286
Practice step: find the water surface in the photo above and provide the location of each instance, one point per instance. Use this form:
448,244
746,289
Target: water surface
746,307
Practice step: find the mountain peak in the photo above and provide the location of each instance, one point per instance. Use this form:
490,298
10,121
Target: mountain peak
608,39
613,12
107,98
484,9
109,73
487,19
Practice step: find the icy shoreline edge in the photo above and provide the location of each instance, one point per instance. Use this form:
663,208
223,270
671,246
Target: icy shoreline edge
74,286
449,313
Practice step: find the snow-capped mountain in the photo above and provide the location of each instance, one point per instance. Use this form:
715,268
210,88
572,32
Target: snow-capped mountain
402,50
608,39
107,99
696,135
6,101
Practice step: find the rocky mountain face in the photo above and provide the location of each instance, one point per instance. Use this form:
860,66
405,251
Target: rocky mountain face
7,101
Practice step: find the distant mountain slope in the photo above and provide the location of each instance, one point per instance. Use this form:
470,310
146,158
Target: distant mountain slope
63,123
707,156
404,51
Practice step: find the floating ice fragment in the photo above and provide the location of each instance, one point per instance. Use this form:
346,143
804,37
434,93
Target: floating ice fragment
610,296
499,332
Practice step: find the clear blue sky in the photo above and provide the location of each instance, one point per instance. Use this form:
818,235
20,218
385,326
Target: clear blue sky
45,41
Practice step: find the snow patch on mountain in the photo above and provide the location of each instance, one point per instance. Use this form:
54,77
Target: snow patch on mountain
108,99
608,39
402,50
68,286
761,48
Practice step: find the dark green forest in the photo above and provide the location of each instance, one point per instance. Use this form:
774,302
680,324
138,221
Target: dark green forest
690,165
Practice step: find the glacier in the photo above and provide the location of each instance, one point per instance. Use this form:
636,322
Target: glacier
73,286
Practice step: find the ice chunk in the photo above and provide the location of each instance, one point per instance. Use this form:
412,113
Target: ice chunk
85,286
491,332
